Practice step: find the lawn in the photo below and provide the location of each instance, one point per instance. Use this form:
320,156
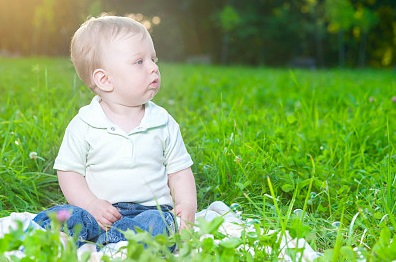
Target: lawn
272,140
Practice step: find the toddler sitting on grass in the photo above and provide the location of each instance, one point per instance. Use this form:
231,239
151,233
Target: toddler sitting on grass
122,163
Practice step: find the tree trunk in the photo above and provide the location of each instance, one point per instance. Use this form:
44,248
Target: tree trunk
225,48
362,50
341,48
319,46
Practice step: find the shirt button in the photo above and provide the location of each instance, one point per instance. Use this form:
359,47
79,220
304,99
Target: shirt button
112,128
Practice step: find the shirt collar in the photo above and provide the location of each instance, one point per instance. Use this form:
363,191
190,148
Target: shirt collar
94,115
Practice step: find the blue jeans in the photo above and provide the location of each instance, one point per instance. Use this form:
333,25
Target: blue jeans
147,218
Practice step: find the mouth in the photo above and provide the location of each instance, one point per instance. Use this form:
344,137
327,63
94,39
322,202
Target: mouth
155,83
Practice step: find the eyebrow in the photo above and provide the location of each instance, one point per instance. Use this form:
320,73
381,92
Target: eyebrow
141,53
136,54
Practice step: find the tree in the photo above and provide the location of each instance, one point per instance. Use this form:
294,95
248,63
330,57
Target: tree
43,25
340,14
365,20
255,32
315,25
229,20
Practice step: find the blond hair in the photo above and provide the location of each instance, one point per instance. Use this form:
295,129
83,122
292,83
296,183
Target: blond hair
94,35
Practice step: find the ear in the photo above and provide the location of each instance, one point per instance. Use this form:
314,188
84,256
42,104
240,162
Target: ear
102,80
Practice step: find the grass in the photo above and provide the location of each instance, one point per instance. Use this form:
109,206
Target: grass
272,140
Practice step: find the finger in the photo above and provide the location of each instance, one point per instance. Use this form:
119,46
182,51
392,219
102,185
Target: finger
181,226
104,227
105,222
114,211
186,221
111,217
182,223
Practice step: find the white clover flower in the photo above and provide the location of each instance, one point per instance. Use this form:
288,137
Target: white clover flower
238,159
298,212
33,155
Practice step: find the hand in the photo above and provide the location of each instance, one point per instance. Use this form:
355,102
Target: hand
187,215
182,186
103,212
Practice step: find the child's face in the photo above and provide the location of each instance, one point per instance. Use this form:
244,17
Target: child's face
130,62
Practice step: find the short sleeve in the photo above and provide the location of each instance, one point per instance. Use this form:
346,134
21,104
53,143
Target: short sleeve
176,156
72,155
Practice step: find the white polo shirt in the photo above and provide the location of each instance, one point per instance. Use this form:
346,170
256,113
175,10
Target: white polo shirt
122,167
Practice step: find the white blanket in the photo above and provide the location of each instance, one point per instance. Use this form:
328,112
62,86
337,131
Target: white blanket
232,226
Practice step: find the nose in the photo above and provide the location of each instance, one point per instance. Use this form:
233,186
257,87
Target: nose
154,67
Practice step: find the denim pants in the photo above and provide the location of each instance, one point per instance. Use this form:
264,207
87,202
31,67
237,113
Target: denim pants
153,219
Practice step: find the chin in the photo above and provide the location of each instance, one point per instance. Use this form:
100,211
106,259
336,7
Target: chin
153,94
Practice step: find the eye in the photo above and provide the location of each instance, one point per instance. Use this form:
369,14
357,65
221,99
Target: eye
155,59
139,62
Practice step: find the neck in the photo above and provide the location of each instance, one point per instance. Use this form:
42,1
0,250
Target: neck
126,117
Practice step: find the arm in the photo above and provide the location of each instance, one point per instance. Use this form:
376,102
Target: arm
76,191
182,186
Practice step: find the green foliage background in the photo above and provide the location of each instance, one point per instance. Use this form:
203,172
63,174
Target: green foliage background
352,33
